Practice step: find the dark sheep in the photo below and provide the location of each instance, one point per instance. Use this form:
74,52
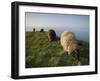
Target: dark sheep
51,35
33,29
42,30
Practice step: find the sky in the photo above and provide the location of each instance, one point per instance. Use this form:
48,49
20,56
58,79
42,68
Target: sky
78,24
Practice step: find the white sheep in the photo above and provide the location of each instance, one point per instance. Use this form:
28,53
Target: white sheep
69,43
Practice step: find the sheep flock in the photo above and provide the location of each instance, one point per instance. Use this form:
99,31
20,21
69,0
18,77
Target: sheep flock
68,41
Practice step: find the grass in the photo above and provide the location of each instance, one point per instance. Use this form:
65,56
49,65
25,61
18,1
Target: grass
40,52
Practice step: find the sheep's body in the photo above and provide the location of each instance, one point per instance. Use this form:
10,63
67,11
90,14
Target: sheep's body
51,35
69,42
42,30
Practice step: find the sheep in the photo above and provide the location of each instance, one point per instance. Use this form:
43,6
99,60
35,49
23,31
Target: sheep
51,35
33,29
42,30
70,44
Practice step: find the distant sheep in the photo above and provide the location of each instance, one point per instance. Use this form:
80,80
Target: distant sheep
51,35
33,29
70,44
42,30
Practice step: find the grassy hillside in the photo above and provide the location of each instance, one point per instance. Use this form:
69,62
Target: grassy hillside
42,53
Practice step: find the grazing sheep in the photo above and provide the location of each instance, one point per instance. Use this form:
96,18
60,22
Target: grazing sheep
42,30
51,35
70,44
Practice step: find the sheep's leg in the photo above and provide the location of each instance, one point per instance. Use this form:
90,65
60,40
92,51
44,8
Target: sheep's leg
77,54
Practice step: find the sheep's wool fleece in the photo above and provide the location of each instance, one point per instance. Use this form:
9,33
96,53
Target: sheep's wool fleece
69,42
